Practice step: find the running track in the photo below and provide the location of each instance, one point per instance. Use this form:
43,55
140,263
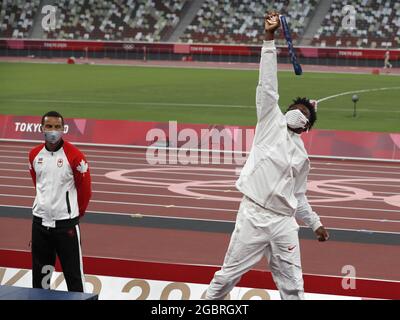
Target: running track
360,198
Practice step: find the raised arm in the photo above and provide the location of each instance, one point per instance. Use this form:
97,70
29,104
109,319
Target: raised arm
267,90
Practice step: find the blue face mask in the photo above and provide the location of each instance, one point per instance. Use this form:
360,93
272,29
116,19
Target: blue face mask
52,136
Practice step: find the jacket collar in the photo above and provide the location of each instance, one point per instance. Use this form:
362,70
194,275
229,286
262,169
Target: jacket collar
59,146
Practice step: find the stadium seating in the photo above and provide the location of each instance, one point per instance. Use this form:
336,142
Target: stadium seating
226,21
377,25
217,21
16,17
130,20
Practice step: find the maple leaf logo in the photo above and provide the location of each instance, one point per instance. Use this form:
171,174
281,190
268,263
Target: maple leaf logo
83,167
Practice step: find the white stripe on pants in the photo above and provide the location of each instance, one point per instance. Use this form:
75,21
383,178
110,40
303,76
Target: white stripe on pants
78,232
258,233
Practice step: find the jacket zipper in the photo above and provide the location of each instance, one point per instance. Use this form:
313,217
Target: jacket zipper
68,204
282,176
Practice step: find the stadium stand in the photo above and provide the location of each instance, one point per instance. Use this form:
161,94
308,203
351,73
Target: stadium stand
16,17
116,20
225,21
377,25
217,21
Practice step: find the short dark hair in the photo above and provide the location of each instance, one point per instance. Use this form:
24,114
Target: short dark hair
306,102
53,114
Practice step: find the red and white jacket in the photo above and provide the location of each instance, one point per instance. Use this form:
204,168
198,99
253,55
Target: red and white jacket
62,181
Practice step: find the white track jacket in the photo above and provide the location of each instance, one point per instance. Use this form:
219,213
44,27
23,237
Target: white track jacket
62,181
275,173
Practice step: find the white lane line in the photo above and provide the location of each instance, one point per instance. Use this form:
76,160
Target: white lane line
374,184
213,175
135,204
211,209
19,178
356,208
197,189
340,164
161,187
354,170
350,193
109,150
16,186
196,155
199,105
361,184
143,153
113,168
194,161
177,173
102,175
313,168
105,149
114,163
147,178
357,91
135,147
346,176
169,196
164,205
182,196
198,161
127,185
14,170
122,193
360,219
142,159
130,213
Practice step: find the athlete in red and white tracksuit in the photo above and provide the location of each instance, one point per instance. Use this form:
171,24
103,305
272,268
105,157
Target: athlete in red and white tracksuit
63,190
273,182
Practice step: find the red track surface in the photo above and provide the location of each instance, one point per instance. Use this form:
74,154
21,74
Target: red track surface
376,208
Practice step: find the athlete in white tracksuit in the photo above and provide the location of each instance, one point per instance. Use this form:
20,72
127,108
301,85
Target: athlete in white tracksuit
273,182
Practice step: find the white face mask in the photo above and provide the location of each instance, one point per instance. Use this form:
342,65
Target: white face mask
296,119
53,136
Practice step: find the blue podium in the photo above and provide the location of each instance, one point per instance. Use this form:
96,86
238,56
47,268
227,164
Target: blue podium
19,293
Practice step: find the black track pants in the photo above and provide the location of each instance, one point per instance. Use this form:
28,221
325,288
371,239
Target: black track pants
64,242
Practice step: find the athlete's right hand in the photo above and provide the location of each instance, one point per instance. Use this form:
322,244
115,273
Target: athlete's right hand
322,234
271,22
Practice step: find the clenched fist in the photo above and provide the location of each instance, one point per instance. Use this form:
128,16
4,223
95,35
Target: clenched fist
271,22
322,234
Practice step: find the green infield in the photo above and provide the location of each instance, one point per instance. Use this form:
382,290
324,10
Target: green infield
214,96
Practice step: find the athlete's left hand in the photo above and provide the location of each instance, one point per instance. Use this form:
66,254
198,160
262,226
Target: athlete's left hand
322,234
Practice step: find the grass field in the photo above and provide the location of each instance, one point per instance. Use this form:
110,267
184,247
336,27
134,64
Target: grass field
190,95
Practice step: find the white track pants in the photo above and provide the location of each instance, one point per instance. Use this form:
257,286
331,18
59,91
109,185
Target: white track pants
258,233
